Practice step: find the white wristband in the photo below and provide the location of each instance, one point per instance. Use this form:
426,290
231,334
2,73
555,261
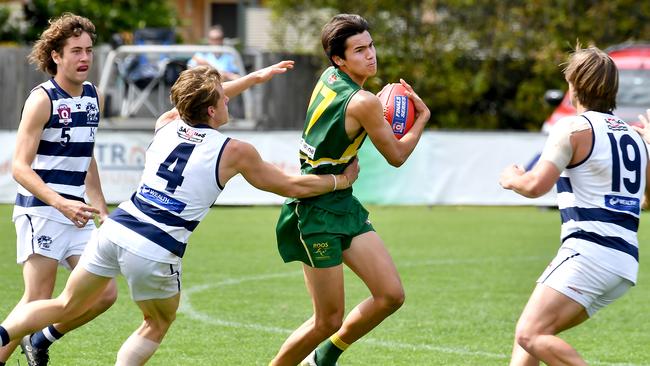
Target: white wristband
334,176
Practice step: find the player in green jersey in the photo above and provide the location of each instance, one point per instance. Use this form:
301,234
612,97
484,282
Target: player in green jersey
333,229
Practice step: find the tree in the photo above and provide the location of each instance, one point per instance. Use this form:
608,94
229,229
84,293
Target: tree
109,17
478,64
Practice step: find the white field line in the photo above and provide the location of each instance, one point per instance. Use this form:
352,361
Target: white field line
187,309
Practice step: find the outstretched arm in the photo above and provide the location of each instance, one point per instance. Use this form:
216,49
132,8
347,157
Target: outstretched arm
644,131
531,184
241,157
559,151
235,87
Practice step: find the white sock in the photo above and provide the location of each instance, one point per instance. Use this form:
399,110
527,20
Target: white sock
135,351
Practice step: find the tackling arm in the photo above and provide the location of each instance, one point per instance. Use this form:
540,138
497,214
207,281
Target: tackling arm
241,157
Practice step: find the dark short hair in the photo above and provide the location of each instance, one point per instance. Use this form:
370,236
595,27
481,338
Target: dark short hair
337,31
594,78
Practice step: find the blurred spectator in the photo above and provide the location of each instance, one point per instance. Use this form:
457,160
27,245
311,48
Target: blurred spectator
224,62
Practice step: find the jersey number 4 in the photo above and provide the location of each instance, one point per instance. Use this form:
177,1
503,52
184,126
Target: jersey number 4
631,164
178,158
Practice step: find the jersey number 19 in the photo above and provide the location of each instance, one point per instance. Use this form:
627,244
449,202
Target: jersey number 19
631,164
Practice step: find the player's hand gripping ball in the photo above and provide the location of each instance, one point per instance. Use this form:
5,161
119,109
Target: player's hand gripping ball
399,110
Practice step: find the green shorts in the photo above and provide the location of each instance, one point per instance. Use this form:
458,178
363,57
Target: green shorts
317,232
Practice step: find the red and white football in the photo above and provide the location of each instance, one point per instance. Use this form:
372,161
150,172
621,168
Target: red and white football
399,110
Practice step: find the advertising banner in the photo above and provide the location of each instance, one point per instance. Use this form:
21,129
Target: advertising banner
446,168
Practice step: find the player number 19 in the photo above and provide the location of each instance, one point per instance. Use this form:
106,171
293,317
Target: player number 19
631,164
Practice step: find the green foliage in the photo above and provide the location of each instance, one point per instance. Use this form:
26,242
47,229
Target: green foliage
8,29
109,17
481,64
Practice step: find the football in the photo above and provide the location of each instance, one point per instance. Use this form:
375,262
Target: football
399,110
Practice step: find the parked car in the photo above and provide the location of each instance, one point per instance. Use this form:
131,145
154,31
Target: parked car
633,62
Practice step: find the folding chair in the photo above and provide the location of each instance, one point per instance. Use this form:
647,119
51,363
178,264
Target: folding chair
142,74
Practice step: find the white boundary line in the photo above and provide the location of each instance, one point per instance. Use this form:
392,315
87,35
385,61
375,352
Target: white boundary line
189,310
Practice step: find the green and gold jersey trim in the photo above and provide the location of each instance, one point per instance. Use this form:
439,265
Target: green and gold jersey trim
304,245
348,154
328,96
325,143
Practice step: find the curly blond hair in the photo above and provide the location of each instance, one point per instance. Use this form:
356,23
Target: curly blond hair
53,38
195,90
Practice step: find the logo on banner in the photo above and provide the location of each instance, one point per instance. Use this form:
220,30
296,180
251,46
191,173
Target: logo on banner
65,113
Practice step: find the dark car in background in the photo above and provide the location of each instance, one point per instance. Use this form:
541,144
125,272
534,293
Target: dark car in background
633,62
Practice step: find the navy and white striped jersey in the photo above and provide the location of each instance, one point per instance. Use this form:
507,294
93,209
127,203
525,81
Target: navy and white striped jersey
600,198
178,186
65,150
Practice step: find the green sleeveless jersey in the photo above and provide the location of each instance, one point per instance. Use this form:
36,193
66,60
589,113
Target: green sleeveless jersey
332,219
325,147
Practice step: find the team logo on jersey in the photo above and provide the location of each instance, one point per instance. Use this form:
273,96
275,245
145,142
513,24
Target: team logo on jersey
615,124
91,138
92,113
620,203
65,113
332,79
321,250
44,242
190,134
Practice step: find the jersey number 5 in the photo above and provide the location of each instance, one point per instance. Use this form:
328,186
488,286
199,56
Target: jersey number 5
631,164
178,157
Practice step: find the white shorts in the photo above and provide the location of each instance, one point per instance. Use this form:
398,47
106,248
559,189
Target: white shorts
147,279
49,238
583,281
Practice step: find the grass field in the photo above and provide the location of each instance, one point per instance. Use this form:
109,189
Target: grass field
467,271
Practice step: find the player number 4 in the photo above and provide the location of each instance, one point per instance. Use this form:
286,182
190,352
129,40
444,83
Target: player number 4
178,157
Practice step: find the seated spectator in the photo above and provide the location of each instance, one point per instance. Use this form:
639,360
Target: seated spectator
224,62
